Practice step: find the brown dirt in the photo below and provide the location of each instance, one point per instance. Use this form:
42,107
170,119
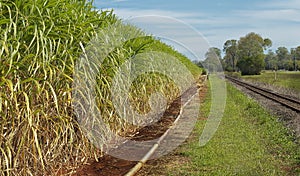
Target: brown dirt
161,166
111,166
107,165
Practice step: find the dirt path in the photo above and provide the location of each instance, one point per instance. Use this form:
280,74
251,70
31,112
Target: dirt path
111,166
175,159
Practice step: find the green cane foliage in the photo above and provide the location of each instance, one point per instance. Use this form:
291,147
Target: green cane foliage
40,41
143,86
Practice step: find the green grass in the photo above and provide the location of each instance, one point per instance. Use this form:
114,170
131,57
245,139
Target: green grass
283,79
249,141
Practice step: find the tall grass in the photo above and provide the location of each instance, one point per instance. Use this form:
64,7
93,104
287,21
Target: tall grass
38,47
40,41
113,105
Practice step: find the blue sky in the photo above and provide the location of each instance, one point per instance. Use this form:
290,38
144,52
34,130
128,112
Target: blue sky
215,20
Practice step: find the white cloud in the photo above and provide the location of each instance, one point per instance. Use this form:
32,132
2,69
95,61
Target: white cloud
174,31
274,15
281,25
116,1
204,23
279,22
279,4
128,13
188,17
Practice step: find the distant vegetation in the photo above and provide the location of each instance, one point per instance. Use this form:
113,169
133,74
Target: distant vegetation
283,59
288,80
246,55
40,42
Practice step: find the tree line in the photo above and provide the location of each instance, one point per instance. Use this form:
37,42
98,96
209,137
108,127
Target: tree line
247,55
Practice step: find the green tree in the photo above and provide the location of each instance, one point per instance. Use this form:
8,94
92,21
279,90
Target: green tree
297,53
295,56
213,60
267,43
283,58
271,61
251,53
230,59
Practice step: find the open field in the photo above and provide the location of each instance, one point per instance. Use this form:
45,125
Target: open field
249,141
288,79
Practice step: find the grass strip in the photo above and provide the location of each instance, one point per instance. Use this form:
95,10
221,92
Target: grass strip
286,79
249,141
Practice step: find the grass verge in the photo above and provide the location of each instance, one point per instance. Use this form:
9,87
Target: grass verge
288,79
249,141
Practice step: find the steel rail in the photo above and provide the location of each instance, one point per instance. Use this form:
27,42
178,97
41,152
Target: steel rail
288,102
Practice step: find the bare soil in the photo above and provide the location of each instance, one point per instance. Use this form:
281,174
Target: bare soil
160,167
111,166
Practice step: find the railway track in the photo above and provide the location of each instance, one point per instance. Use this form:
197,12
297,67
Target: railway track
288,102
